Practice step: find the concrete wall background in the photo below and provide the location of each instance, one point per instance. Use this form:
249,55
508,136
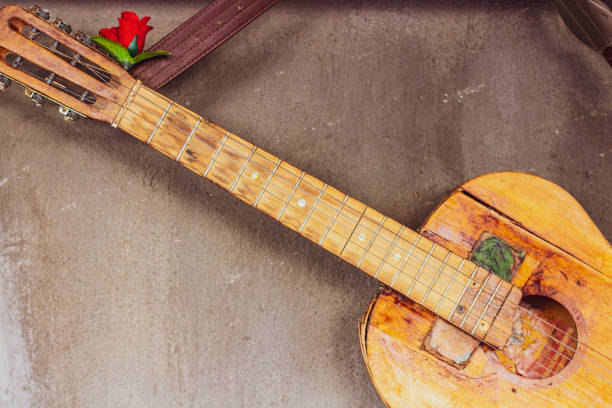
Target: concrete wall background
127,281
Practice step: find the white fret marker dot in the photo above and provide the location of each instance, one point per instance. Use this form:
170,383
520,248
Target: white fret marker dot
255,175
301,202
362,237
397,256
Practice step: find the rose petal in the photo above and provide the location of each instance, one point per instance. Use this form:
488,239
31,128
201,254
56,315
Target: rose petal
142,37
128,28
129,15
110,33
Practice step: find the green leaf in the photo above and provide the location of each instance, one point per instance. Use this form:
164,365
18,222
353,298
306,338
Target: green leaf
122,55
114,49
496,256
133,48
149,54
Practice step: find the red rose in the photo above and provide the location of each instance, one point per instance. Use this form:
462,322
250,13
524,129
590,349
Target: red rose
129,26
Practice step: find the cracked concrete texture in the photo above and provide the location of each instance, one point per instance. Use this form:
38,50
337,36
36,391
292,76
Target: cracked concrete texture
127,281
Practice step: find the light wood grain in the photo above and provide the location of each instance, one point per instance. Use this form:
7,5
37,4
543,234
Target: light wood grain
546,210
110,96
410,263
395,328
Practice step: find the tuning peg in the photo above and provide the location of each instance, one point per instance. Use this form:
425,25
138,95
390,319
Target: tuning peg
61,25
69,114
5,82
37,98
84,38
42,13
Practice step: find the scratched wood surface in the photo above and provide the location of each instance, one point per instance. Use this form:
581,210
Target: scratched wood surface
394,329
13,19
454,288
369,240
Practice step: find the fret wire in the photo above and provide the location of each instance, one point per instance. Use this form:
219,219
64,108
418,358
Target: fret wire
536,340
126,109
433,282
482,286
331,223
188,139
123,106
263,190
371,241
487,306
214,158
352,232
232,149
239,141
231,190
462,293
160,122
312,208
414,246
397,274
132,92
389,251
421,269
449,285
280,214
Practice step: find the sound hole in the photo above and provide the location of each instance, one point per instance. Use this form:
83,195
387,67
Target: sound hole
544,339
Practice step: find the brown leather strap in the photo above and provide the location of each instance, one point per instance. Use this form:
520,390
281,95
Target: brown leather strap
197,37
608,55
590,21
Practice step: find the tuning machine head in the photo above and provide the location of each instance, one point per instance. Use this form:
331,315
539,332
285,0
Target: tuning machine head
37,98
5,82
61,25
69,114
40,12
37,52
84,38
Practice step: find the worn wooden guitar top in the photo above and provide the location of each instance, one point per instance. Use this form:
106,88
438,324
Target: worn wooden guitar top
500,300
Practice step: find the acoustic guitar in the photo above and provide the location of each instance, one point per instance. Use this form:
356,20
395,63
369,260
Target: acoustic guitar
501,299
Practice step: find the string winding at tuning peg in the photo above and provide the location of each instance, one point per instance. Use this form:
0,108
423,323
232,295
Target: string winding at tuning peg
37,98
84,38
69,114
5,82
61,25
40,12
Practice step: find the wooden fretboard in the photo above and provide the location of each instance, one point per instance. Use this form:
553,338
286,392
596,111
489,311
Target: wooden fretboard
445,283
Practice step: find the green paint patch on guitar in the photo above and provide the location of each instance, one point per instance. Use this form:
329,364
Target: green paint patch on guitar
497,256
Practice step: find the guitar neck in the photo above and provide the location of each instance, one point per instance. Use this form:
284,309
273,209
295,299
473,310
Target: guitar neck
445,283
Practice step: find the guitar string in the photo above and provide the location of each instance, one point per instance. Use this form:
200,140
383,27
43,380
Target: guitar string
567,334
578,392
427,265
455,303
95,68
190,113
552,372
342,214
435,291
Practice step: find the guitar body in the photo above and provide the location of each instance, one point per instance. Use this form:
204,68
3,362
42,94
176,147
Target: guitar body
522,235
563,266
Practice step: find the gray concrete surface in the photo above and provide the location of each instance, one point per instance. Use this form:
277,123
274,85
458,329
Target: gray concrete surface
127,281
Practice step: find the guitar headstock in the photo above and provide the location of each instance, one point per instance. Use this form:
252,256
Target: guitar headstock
53,63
